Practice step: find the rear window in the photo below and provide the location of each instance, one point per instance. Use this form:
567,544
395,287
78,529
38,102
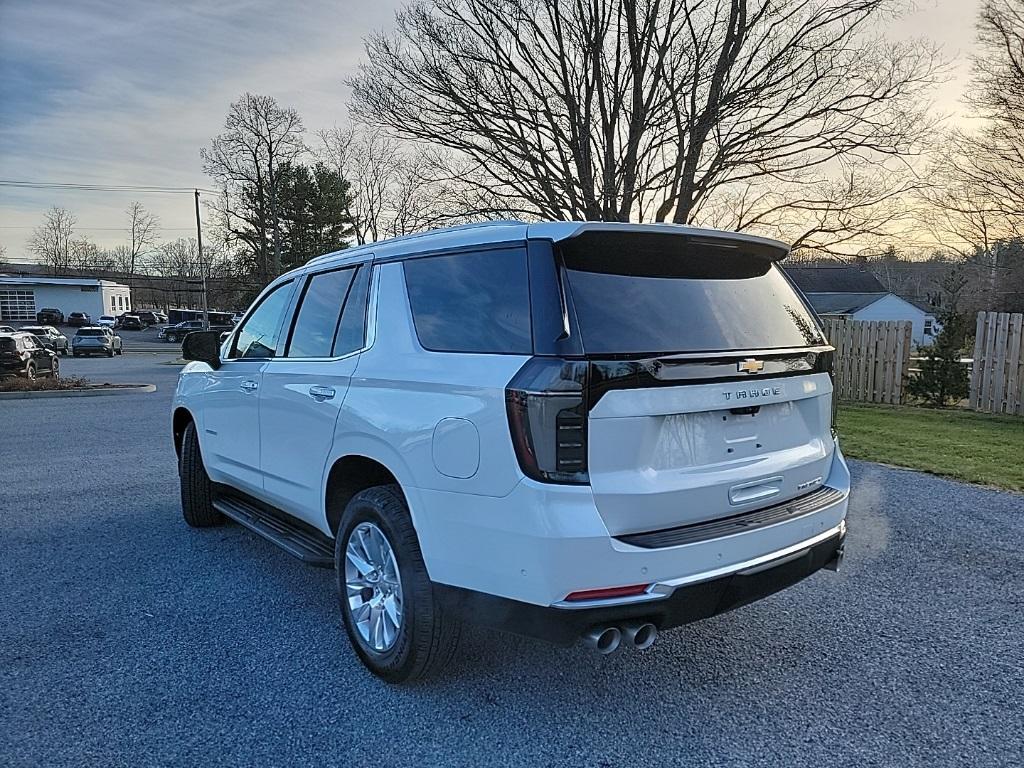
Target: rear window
91,332
651,293
7,345
472,302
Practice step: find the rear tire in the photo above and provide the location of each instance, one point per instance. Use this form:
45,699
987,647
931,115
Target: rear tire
427,637
55,369
196,488
30,371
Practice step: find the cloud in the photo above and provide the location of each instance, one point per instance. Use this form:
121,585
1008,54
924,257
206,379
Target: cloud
127,93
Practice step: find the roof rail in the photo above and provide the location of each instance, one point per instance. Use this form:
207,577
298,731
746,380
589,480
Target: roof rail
414,235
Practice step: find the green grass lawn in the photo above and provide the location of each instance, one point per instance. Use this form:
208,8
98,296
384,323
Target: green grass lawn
974,447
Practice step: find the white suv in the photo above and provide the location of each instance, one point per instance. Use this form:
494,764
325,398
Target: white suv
565,430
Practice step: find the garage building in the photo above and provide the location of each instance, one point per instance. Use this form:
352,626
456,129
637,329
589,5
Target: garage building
22,297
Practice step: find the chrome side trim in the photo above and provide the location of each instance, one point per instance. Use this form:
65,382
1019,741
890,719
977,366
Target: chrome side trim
663,589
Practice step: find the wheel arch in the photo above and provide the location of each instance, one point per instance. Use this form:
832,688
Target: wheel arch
350,474
179,421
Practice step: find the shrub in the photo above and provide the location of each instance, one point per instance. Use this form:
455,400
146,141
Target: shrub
21,384
943,378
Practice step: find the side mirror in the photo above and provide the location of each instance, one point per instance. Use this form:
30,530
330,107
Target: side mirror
203,346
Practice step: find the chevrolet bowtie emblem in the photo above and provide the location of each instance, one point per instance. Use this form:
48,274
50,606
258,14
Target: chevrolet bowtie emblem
750,365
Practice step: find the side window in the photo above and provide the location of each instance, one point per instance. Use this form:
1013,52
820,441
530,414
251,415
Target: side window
352,333
258,337
316,324
471,302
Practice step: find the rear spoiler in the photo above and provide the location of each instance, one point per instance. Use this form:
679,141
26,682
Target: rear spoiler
761,247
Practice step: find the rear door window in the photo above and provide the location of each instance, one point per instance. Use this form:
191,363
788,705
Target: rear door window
472,302
318,321
352,332
654,294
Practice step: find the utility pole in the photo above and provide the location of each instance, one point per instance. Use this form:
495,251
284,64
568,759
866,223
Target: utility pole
202,266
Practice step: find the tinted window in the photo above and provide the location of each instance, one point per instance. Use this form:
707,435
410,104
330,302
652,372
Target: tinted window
352,333
258,337
91,332
7,345
665,293
316,324
471,302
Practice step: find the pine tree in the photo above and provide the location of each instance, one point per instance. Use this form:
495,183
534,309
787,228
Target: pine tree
943,379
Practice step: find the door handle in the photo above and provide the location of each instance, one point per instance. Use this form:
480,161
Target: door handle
321,393
249,386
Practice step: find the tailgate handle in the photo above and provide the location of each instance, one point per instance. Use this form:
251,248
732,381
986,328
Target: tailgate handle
755,491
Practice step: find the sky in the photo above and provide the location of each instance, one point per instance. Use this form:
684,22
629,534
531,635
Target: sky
106,92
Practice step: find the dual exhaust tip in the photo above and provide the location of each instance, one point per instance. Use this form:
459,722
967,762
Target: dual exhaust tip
605,640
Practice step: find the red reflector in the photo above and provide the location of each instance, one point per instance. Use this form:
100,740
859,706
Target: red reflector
607,592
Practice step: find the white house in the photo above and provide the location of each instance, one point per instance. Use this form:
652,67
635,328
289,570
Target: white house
22,297
856,294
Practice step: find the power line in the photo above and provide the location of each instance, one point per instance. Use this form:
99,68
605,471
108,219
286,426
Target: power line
101,229
140,188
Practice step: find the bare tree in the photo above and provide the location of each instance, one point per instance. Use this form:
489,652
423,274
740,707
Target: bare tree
259,137
975,206
51,241
651,109
142,230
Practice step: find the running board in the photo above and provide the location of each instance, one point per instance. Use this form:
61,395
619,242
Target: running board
297,539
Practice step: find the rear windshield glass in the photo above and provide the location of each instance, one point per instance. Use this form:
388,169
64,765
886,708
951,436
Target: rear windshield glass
7,345
641,293
91,332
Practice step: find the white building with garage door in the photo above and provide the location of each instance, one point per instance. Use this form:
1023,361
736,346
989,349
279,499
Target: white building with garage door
22,297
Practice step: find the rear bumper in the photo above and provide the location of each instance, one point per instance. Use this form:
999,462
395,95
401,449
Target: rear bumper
684,604
542,542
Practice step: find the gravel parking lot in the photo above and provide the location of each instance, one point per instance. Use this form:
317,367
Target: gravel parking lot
128,639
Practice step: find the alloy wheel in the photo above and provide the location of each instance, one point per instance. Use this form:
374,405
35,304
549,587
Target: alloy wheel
373,587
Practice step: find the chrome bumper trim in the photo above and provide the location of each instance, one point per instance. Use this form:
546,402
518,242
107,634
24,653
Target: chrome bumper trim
663,589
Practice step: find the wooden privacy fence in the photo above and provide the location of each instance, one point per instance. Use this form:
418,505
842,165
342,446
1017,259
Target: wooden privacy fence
997,381
872,358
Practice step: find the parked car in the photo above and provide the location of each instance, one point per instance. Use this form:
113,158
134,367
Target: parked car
132,323
180,330
161,317
21,354
49,337
96,340
50,316
78,320
576,431
147,316
237,318
7,329
107,321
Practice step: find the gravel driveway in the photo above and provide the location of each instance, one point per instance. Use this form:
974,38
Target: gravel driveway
128,639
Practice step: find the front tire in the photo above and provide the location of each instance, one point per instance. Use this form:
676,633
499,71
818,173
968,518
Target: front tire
55,369
380,568
196,488
30,371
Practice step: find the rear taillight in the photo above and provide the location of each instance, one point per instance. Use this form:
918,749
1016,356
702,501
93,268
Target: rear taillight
830,366
547,416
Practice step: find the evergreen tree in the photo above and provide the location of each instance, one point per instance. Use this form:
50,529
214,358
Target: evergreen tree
943,379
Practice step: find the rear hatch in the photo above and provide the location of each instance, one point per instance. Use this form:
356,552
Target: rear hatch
709,391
